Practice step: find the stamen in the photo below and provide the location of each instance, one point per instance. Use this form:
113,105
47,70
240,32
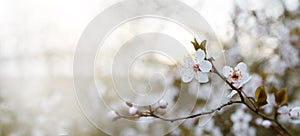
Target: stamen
196,67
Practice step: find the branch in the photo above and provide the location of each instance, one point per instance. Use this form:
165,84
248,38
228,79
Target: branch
194,115
151,113
249,107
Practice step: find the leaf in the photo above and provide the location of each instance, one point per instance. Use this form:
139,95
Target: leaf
199,46
196,45
203,45
261,96
281,96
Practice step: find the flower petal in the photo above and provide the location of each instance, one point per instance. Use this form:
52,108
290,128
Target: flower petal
245,81
205,66
283,110
202,77
187,71
188,62
227,71
187,75
229,96
295,113
199,56
241,66
245,77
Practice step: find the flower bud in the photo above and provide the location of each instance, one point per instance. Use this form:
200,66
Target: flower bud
266,123
259,121
112,115
163,104
129,104
133,110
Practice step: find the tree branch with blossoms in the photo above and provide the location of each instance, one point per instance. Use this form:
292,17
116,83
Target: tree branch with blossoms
235,78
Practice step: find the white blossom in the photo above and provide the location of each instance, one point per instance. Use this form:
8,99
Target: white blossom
287,114
197,68
291,5
238,75
240,121
295,113
209,127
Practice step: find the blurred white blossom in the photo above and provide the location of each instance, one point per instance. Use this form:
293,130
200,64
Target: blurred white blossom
208,129
291,5
241,121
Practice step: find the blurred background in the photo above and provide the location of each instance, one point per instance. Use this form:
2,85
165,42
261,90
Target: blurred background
38,40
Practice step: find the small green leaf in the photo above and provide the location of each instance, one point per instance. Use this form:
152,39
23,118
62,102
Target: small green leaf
199,46
281,96
203,45
195,43
261,96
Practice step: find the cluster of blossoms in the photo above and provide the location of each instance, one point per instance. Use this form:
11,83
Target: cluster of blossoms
199,67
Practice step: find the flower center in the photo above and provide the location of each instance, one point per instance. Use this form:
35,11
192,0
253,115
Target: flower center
236,74
196,67
241,120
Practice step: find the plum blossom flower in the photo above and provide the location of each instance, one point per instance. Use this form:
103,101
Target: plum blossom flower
208,129
287,114
241,121
295,113
197,69
238,76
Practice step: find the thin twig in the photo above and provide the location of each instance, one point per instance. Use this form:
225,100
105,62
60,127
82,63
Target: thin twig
191,116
